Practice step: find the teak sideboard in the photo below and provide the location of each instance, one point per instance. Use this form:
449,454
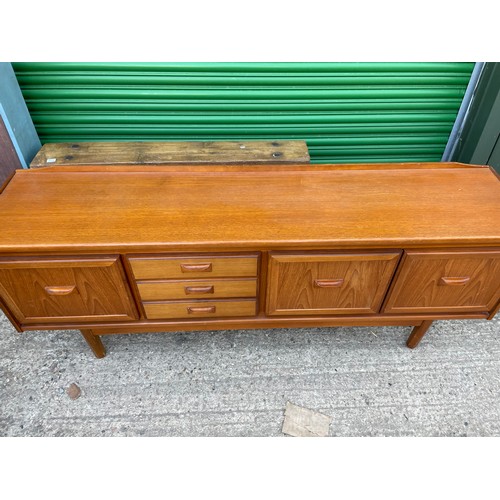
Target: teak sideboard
121,249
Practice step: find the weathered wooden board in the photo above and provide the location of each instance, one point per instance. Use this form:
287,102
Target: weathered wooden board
171,153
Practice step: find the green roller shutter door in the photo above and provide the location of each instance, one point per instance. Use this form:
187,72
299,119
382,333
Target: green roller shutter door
346,112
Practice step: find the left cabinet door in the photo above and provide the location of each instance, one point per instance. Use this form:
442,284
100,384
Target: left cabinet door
66,289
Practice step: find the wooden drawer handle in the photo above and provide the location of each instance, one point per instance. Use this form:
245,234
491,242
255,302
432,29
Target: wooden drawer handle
194,310
59,290
454,281
198,289
328,283
189,268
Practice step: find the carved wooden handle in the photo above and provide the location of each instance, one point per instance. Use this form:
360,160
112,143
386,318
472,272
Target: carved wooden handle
189,268
59,290
198,289
194,310
454,281
328,283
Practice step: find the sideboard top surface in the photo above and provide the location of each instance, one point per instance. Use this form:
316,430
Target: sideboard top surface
141,208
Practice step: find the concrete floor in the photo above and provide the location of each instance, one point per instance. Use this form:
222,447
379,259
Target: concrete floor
238,383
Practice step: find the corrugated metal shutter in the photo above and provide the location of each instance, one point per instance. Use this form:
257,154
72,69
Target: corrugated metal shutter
347,112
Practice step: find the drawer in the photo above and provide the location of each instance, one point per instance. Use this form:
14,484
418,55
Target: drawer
66,289
328,283
188,267
446,281
200,309
203,289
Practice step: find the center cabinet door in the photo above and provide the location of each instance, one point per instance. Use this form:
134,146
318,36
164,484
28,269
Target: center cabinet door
328,283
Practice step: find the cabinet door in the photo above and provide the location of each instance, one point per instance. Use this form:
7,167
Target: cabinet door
72,290
330,283
446,281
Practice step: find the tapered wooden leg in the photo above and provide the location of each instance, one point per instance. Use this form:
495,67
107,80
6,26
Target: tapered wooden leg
95,343
417,333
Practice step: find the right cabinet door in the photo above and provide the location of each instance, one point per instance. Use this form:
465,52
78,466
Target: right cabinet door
446,281
328,283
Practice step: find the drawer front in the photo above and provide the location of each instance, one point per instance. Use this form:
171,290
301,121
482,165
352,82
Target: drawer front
302,284
66,290
187,267
214,289
447,281
200,309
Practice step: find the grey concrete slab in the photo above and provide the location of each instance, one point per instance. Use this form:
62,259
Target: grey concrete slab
237,383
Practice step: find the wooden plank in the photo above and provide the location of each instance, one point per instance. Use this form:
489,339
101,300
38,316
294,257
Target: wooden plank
157,211
171,153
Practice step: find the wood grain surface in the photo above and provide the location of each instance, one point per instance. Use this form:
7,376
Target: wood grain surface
216,288
308,242
311,283
446,281
94,342
41,210
171,153
200,309
74,290
159,266
203,324
417,334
